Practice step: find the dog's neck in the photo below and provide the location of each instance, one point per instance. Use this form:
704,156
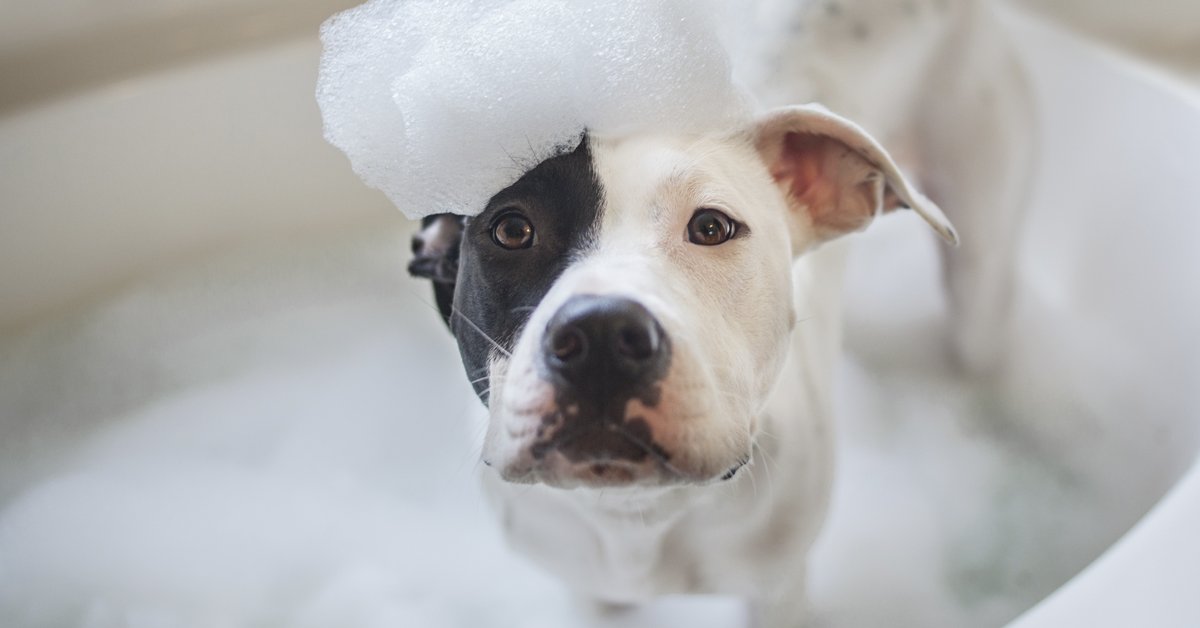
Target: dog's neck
649,508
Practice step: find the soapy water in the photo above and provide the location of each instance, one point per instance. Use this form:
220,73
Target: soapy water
316,469
442,103
303,457
282,437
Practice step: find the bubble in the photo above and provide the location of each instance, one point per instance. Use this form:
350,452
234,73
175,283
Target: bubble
441,104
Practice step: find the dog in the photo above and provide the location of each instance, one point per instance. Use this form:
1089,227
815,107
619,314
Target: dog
653,320
644,316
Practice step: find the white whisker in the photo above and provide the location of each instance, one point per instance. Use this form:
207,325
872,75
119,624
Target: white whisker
455,311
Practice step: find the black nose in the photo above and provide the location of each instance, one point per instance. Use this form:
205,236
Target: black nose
605,342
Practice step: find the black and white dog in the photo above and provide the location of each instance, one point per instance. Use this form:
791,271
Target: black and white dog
644,316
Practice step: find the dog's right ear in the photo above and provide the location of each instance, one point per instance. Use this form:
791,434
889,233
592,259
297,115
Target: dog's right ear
435,257
835,177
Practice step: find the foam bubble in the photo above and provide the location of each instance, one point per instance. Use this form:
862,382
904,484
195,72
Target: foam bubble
442,103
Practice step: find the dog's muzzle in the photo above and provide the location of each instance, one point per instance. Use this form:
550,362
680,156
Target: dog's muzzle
600,353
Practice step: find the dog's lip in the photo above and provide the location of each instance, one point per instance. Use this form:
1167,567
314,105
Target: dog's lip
553,467
606,444
728,475
555,470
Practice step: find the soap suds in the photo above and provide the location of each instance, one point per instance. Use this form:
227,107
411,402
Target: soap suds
441,103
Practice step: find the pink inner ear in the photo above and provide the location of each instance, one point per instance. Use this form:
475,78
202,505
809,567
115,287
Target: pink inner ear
800,166
816,171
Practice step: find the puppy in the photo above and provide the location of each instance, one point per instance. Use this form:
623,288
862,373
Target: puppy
652,322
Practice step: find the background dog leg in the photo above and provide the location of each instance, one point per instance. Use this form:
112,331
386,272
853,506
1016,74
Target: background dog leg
788,608
603,610
975,145
957,114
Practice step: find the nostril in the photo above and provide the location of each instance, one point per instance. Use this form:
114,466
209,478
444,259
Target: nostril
568,344
637,342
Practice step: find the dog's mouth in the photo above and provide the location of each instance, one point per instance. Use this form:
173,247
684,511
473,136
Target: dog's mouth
595,454
728,475
556,470
601,455
629,441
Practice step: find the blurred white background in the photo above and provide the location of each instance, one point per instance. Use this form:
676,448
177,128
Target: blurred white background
223,403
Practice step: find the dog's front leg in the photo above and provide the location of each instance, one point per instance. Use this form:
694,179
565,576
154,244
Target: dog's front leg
786,607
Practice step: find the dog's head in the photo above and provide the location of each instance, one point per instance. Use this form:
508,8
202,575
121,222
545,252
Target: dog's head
623,308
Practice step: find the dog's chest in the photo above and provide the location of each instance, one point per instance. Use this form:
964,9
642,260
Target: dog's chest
681,545
608,546
612,549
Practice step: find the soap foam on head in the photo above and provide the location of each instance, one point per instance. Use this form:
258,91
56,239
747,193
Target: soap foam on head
442,103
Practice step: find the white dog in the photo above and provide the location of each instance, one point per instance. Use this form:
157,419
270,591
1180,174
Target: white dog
653,322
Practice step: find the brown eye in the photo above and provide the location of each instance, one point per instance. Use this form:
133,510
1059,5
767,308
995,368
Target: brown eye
709,227
513,231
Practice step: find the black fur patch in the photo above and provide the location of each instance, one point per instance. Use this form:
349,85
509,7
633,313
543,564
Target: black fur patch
486,294
496,289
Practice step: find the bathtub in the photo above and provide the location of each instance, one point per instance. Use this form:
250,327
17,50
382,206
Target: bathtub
222,402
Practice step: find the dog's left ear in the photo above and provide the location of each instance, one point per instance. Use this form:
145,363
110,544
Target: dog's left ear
836,178
435,257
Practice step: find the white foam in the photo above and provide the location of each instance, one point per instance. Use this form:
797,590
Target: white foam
442,103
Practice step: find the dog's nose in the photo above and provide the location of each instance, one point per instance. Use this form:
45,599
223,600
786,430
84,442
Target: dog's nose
605,342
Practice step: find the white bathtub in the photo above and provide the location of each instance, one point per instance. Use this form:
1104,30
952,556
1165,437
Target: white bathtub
223,403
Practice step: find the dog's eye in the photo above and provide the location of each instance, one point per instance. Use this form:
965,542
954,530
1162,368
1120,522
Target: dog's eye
512,231
709,227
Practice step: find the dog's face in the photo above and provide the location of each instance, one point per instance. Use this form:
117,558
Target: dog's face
623,309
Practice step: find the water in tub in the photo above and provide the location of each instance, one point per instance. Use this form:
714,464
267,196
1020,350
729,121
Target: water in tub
279,436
